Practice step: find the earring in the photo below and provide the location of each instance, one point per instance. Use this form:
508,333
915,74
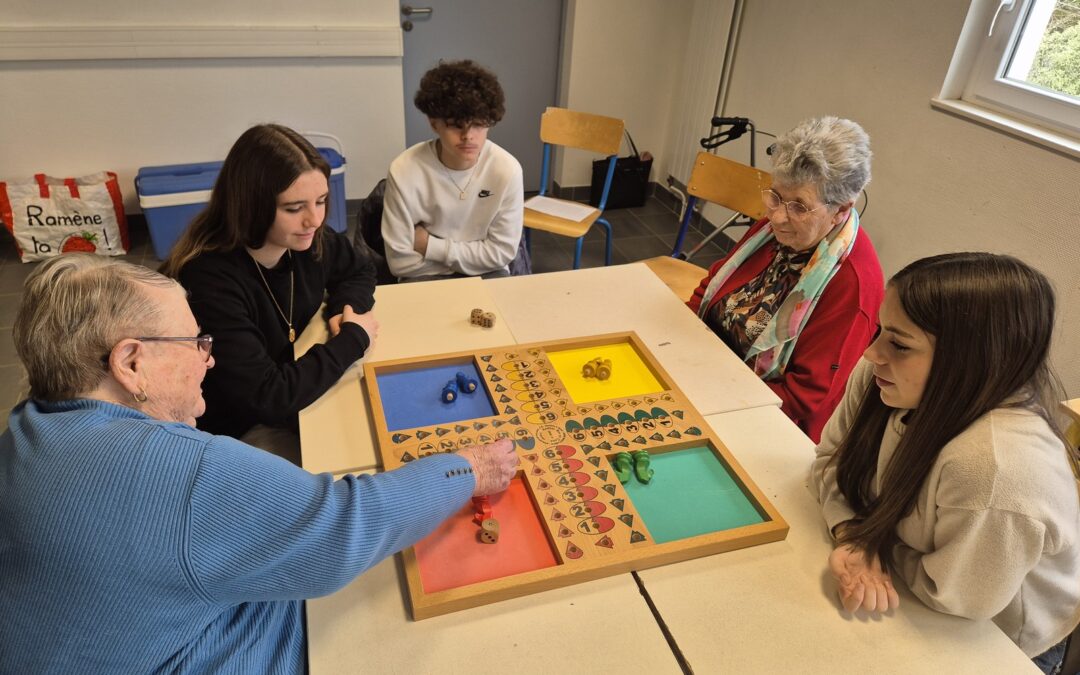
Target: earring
140,397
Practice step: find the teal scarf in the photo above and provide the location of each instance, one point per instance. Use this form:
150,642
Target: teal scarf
772,349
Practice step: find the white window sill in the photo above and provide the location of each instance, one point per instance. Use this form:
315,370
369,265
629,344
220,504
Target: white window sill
1029,132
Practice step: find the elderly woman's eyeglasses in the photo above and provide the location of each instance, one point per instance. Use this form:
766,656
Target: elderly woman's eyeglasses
795,210
205,343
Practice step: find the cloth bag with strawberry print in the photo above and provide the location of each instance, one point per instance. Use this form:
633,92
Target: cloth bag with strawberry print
48,216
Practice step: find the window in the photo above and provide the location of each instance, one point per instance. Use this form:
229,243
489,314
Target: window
1017,67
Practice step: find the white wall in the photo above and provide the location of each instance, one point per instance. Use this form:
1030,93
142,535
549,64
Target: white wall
621,58
940,183
73,117
694,103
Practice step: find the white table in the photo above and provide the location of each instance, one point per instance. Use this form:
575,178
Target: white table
601,626
772,608
630,297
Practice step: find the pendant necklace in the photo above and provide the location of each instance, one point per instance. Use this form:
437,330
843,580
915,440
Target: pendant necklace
287,320
461,190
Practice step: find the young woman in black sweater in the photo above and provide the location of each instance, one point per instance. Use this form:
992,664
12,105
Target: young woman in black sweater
257,264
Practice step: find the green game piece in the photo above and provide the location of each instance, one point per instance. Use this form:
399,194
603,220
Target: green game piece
623,464
641,466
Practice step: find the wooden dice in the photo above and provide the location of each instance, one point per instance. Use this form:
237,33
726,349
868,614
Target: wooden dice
489,531
479,317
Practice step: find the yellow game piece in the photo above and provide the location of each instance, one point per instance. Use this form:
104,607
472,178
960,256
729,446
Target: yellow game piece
589,369
603,369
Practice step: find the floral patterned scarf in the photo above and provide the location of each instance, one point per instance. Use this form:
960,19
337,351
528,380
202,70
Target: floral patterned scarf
773,347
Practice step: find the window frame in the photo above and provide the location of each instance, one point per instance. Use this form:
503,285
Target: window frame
975,88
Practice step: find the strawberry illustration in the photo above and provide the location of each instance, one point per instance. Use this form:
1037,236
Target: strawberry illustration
79,243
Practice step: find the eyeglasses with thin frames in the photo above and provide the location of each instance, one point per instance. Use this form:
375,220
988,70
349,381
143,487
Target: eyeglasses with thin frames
204,343
795,210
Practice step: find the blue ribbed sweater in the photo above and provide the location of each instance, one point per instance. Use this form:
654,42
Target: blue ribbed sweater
131,545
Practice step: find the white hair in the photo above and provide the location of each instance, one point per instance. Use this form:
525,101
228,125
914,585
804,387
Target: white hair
829,153
74,310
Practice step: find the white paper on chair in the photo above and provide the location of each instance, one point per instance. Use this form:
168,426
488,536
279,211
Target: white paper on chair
558,208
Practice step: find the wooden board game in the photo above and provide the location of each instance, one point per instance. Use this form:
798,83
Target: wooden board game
566,517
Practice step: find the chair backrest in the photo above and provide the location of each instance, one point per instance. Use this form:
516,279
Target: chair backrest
585,131
729,184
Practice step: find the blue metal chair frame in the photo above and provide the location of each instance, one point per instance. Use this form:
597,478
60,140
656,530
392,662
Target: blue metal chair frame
544,174
677,251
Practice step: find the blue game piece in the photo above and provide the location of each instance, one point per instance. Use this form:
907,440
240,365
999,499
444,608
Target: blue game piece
466,384
450,392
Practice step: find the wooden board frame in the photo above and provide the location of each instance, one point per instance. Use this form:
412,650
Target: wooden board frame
541,444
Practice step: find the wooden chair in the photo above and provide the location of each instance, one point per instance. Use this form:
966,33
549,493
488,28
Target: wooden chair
729,184
681,277
583,131
721,181
1072,435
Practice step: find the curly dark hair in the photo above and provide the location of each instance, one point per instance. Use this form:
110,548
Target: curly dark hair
461,92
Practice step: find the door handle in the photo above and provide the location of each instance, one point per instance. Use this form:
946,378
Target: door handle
409,10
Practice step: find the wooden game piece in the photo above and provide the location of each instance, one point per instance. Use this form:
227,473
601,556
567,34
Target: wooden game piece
641,466
603,369
465,384
624,466
449,392
487,320
476,318
589,369
483,509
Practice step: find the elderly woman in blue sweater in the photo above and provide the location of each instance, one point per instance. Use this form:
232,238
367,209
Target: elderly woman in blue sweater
132,542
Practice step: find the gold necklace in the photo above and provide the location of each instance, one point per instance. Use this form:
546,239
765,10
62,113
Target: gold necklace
288,321
461,190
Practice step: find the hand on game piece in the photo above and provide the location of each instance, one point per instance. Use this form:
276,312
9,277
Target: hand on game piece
493,464
863,583
366,321
420,239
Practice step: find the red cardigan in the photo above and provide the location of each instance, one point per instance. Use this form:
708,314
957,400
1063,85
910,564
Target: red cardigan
838,331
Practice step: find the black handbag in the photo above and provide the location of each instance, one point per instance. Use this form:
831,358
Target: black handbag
629,184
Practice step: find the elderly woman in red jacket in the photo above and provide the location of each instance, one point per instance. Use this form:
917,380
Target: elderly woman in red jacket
797,298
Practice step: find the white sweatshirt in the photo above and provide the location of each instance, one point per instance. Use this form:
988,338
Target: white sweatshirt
471,236
994,532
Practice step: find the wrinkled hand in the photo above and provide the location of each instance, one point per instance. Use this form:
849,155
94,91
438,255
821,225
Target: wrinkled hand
493,464
862,581
420,239
367,321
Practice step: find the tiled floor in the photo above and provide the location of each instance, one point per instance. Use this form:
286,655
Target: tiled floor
639,233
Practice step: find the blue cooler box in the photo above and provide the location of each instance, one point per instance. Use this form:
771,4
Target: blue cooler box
171,196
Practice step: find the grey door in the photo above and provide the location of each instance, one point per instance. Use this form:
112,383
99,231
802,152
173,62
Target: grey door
516,39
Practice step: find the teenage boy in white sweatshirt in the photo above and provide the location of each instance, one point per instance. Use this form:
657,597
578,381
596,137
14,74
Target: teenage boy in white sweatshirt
454,204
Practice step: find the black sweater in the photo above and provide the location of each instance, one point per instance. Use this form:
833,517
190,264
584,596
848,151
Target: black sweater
255,379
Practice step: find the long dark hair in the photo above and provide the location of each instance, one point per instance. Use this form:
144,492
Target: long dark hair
992,317
261,164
